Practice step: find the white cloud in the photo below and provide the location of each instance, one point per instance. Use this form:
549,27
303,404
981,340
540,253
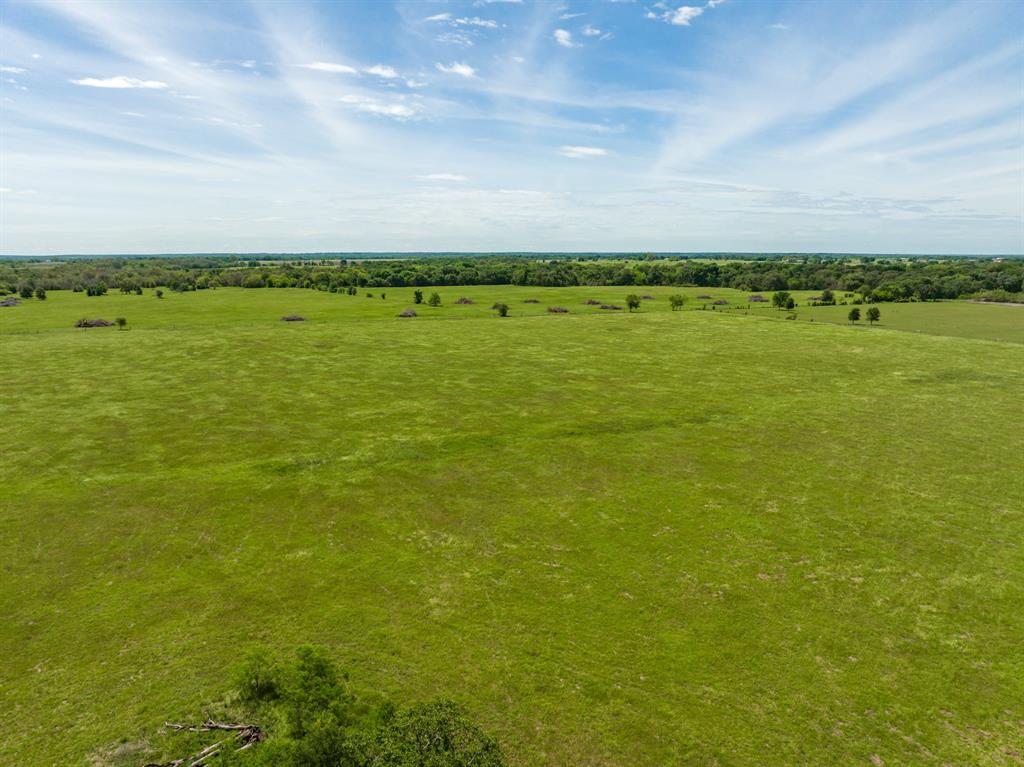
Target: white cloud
518,59
329,66
476,21
564,38
132,114
582,152
567,16
388,73
455,38
394,109
12,70
591,31
456,68
442,177
439,17
119,81
36,56
684,14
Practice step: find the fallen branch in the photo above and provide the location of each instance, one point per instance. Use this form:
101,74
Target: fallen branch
245,734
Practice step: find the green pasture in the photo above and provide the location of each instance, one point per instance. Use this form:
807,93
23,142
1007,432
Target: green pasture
694,538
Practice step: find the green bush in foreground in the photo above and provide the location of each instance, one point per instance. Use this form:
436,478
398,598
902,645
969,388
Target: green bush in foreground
308,715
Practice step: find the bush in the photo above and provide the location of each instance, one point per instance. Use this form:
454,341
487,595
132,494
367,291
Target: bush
435,299
41,293
677,301
502,309
633,301
417,296
121,322
854,315
159,294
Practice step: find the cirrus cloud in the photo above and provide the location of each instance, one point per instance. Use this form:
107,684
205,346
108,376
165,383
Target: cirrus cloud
119,81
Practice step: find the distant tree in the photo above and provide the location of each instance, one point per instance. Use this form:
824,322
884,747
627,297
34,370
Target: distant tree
383,296
159,293
121,322
677,301
790,303
874,314
369,295
435,299
25,292
502,309
351,290
138,290
633,302
41,293
417,296
854,315
827,297
780,299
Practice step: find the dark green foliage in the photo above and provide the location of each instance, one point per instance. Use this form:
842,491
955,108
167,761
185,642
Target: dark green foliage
435,299
501,309
781,298
25,291
790,303
41,293
417,296
121,322
159,294
854,315
677,301
873,279
633,302
874,314
312,718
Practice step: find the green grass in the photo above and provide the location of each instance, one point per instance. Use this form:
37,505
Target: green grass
661,538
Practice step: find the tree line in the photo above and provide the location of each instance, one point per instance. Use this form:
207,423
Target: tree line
876,279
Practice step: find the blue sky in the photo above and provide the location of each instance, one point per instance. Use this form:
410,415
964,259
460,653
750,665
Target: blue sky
499,125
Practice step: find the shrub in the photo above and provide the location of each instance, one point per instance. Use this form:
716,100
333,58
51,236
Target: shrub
780,298
677,301
25,291
502,309
159,293
41,293
435,299
633,301
417,296
121,322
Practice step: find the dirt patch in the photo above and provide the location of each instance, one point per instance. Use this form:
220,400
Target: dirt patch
12,301
531,301
592,302
611,307
463,300
558,310
83,323
407,313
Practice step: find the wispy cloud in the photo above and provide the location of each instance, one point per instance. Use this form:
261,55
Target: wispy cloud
120,81
380,70
456,68
564,38
394,109
454,177
12,70
582,152
329,66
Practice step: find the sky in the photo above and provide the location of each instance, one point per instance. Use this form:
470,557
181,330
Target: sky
504,125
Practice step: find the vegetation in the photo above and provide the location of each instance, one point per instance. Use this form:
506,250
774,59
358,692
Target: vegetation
874,279
615,539
874,314
305,713
853,315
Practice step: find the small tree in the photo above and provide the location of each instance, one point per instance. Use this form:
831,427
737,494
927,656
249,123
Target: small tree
854,315
41,293
874,314
827,297
383,296
138,290
677,301
25,292
502,309
351,290
417,296
790,303
159,293
121,322
633,301
435,299
780,299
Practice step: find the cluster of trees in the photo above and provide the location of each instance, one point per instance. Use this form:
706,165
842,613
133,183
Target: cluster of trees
875,279
305,713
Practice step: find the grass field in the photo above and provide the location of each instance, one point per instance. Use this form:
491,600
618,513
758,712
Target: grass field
697,538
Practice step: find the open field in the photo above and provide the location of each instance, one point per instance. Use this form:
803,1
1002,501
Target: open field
693,538
266,307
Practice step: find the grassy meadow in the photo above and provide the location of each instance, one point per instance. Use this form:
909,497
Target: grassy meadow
697,537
